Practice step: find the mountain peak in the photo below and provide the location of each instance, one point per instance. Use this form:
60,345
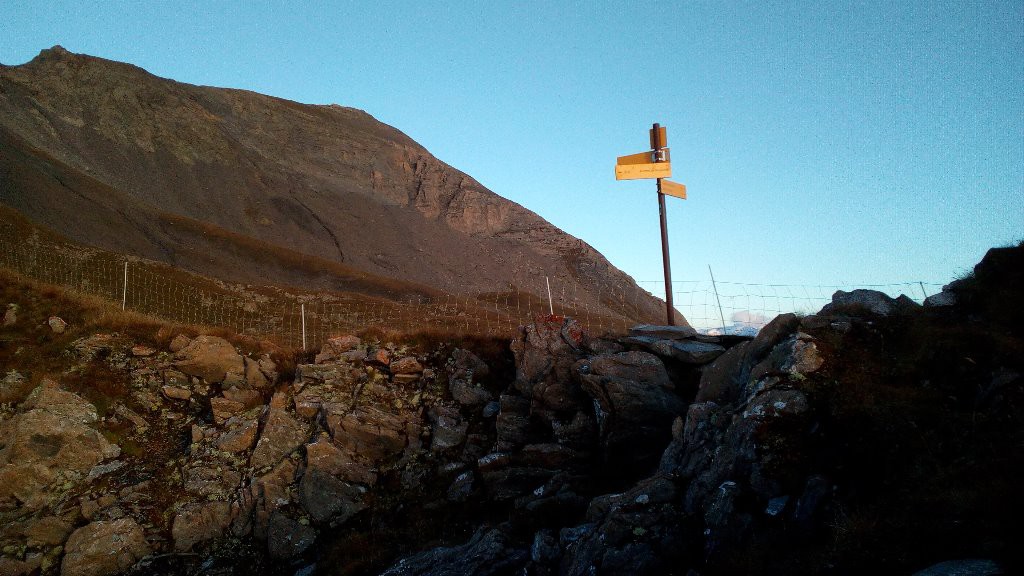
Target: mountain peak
57,52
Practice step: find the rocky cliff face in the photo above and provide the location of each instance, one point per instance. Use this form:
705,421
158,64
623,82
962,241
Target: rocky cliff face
111,155
876,436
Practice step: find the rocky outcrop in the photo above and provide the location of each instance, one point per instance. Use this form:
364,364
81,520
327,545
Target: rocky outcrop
873,301
104,548
634,403
488,553
211,358
200,522
52,440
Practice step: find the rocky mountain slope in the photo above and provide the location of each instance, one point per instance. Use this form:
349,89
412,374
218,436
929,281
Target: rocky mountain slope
211,179
877,436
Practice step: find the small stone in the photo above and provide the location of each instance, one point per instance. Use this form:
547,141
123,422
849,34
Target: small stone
491,409
353,356
48,531
405,379
224,409
240,439
197,434
379,356
462,488
180,342
776,505
11,315
406,365
57,324
89,507
140,351
244,396
175,393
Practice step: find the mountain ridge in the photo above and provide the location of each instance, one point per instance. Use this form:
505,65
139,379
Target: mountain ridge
323,180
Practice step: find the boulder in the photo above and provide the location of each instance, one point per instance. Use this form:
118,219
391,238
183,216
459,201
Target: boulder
31,565
465,364
545,353
327,498
944,298
224,408
640,367
373,434
104,548
488,553
325,455
47,531
687,351
240,438
797,354
464,372
406,365
663,332
723,380
288,538
211,358
175,393
52,438
179,343
635,405
247,397
254,376
200,522
282,434
635,532
468,394
334,347
870,301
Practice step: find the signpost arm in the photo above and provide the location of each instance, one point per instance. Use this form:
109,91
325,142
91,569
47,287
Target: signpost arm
657,144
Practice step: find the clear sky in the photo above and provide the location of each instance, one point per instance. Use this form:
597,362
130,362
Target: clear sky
821,142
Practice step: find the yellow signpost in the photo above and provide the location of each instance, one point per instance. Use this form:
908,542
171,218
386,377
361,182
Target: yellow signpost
673,189
656,164
643,171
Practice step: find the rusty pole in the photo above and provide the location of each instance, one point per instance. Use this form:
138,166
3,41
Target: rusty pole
657,145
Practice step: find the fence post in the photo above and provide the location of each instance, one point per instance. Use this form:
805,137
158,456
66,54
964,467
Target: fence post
717,299
551,305
923,291
124,291
302,310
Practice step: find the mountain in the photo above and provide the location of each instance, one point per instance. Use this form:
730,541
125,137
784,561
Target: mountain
235,184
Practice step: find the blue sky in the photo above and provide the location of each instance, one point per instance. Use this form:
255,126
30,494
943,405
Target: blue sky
821,142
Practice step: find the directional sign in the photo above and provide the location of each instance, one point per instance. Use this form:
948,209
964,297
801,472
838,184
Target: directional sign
641,158
673,189
643,171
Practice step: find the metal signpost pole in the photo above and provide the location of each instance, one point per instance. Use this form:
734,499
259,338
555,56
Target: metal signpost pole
656,164
657,145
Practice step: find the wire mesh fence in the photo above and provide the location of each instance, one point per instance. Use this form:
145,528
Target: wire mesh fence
746,307
306,319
